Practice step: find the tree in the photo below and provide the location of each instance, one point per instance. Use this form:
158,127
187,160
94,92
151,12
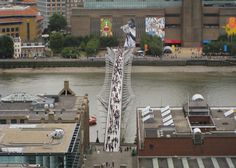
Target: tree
72,41
57,22
92,46
110,41
70,52
6,47
155,44
233,48
56,42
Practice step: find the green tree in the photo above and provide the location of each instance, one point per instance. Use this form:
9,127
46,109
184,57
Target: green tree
72,41
155,44
92,46
56,42
6,47
110,41
57,22
233,48
70,52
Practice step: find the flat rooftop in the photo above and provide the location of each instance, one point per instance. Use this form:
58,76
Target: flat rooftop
15,138
66,109
181,124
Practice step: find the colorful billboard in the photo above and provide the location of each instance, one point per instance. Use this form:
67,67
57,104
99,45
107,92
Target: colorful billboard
230,27
155,26
106,27
130,31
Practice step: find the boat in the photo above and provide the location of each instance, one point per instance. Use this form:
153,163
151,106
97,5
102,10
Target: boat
92,120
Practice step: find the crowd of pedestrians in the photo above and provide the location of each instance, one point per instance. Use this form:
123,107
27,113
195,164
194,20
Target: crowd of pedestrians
114,112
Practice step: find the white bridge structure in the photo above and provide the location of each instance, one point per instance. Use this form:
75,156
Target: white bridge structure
116,94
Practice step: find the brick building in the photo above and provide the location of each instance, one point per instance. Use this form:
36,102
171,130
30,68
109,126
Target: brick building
195,130
188,23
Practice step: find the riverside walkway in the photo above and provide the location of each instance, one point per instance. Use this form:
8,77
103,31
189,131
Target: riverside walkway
113,124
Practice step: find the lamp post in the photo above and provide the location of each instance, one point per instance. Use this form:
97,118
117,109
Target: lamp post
97,140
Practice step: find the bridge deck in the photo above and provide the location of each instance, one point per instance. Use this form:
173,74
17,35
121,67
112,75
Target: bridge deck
112,134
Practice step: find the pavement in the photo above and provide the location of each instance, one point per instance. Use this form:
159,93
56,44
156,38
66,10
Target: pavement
102,159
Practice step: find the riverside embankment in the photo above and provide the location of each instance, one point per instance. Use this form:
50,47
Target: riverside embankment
99,62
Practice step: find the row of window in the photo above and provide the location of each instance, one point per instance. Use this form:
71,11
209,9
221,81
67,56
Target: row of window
12,121
12,29
13,34
58,4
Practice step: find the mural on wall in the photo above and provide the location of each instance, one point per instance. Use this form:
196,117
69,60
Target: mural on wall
155,26
130,30
230,27
106,27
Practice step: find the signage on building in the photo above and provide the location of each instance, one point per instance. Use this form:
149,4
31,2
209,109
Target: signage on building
230,27
106,27
155,26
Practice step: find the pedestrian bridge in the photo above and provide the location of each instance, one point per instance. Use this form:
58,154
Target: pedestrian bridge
116,94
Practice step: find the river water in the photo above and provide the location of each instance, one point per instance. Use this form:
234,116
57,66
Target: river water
154,89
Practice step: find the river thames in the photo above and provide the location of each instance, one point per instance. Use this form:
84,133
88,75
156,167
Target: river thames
154,89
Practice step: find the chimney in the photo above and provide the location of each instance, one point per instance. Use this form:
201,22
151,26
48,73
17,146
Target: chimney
66,85
51,116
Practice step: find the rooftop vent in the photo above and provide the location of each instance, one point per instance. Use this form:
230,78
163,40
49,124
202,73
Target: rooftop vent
197,97
197,136
57,134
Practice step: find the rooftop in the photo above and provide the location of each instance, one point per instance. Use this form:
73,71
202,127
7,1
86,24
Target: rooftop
181,125
193,162
18,11
65,108
40,141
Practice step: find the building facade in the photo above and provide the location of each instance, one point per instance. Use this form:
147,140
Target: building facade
49,145
48,7
32,50
17,47
194,130
64,108
20,21
186,23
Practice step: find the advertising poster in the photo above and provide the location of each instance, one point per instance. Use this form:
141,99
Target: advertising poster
130,30
106,27
230,27
155,26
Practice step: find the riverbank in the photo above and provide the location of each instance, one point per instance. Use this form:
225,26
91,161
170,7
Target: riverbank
135,69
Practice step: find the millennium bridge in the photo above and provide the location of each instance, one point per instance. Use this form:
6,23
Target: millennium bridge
116,94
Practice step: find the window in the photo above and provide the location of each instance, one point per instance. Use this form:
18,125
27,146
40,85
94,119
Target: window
211,25
151,146
8,29
13,121
211,14
22,121
2,121
17,29
3,30
12,29
17,34
172,15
